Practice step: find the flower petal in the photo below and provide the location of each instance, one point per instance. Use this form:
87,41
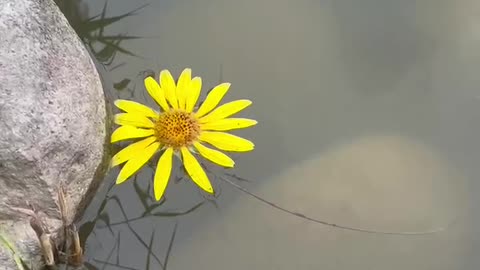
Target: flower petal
192,93
135,108
213,98
227,142
129,132
228,124
214,156
157,93
196,171
131,151
226,110
133,119
168,85
182,85
162,173
133,165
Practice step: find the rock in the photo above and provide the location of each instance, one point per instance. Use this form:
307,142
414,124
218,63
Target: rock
52,120
387,183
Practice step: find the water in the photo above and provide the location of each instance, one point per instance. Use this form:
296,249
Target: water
368,116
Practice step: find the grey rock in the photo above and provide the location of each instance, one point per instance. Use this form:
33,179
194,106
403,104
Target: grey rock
52,120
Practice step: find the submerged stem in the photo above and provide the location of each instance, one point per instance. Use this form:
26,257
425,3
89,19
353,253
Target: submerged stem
300,215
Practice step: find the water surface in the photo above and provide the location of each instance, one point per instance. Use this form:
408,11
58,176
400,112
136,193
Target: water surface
368,116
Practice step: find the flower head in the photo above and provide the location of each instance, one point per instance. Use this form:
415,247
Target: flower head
176,128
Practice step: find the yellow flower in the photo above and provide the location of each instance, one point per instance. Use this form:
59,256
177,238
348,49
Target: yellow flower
176,129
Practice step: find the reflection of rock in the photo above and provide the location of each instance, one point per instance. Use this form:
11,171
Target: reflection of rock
52,115
384,183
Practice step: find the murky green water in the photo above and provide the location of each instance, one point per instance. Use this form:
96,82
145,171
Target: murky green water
368,116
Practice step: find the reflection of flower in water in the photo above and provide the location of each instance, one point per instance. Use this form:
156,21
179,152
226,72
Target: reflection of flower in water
177,129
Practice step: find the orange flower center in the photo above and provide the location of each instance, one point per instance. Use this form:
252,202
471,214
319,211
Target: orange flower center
177,128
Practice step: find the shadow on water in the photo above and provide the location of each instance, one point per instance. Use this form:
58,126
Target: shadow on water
150,206
149,255
91,30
